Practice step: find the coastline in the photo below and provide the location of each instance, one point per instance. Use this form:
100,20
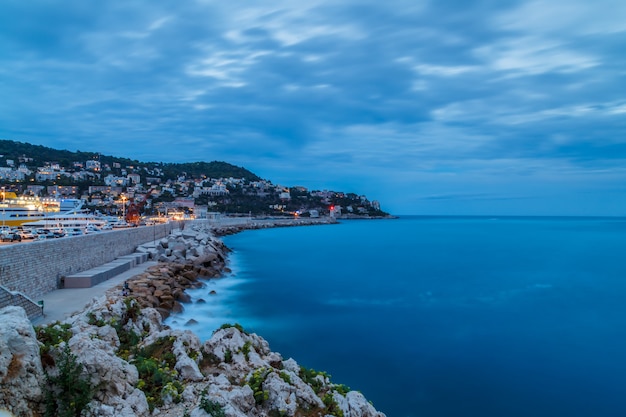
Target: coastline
457,262
153,295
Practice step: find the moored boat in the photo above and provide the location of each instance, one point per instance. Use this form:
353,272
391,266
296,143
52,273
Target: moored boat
69,221
15,211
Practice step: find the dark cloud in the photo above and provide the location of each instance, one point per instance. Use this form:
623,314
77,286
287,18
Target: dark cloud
381,94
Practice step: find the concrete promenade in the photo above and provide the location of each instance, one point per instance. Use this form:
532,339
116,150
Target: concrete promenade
61,304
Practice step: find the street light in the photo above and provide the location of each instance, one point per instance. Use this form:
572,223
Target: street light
123,207
3,212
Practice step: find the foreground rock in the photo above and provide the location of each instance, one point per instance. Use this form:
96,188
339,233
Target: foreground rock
121,360
136,366
20,365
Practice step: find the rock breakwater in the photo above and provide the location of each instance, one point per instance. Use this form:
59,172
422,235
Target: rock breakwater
219,229
121,360
186,258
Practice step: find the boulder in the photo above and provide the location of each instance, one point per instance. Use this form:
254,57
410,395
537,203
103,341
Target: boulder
114,376
20,363
354,404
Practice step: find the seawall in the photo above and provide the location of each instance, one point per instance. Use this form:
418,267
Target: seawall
36,268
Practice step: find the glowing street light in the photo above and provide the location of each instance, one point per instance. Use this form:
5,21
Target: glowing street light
3,212
123,207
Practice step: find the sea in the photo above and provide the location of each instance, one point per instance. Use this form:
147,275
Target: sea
439,316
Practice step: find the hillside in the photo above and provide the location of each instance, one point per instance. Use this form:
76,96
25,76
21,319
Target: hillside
38,170
36,156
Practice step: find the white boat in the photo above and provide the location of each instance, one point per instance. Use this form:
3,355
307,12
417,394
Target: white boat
72,220
15,211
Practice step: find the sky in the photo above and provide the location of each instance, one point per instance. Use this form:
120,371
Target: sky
430,107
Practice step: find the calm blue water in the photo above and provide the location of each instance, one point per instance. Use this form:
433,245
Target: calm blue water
441,316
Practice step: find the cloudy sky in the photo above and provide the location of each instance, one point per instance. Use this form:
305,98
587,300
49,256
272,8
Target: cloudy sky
430,107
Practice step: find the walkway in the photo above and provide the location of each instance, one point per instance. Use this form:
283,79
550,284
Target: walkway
63,303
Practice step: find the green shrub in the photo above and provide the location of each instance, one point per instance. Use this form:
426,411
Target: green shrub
256,383
213,408
173,389
128,338
68,393
146,327
162,349
236,326
133,309
193,354
208,359
157,377
342,389
93,321
309,376
278,413
246,349
228,356
285,377
52,335
332,408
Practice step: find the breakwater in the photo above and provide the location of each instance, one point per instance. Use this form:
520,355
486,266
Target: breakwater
36,268
229,226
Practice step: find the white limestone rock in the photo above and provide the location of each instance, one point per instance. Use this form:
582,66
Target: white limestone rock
189,394
229,339
132,406
237,400
187,344
306,395
281,395
354,404
150,319
291,365
20,363
112,375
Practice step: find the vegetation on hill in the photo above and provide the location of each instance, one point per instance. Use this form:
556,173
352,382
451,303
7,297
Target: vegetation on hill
215,169
36,156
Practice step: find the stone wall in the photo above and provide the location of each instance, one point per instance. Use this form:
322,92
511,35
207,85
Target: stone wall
36,268
9,298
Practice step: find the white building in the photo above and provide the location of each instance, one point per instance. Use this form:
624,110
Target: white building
134,178
94,165
11,174
112,180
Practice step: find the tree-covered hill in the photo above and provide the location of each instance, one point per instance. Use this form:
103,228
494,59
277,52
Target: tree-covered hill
40,155
215,169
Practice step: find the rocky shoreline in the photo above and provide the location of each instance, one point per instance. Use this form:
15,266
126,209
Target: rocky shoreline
129,363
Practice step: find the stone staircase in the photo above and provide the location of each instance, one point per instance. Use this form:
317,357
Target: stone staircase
95,276
14,298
